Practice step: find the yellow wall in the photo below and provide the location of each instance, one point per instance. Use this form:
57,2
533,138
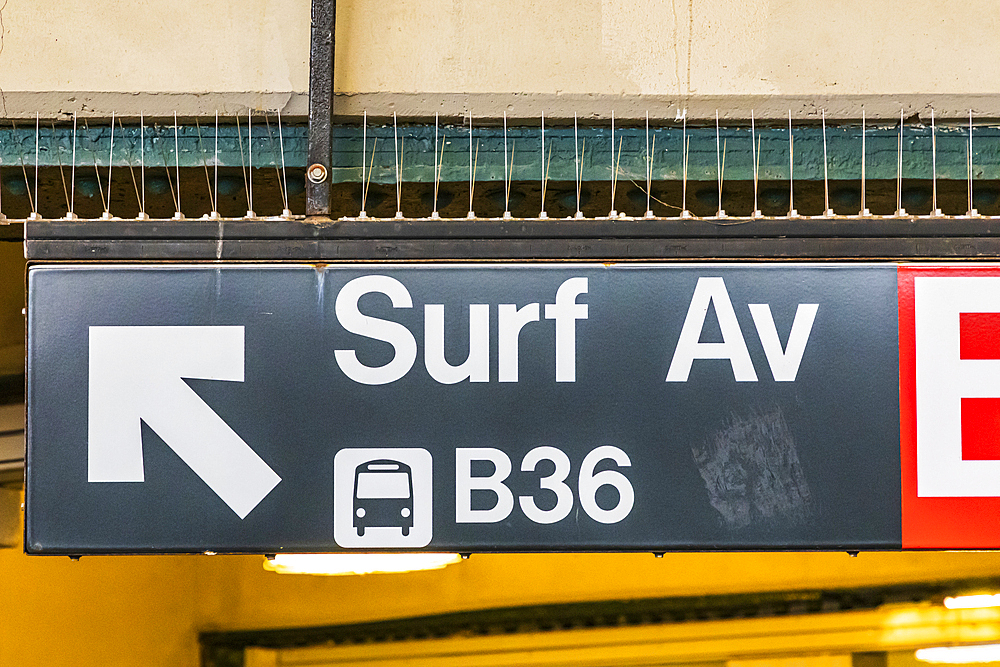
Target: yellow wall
422,56
253,598
102,612
667,47
12,273
189,56
813,640
147,610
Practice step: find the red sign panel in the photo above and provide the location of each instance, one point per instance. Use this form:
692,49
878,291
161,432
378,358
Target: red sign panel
949,374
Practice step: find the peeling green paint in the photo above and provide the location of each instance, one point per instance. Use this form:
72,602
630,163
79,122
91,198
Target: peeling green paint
196,144
843,151
416,143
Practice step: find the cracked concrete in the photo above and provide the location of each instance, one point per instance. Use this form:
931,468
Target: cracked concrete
23,104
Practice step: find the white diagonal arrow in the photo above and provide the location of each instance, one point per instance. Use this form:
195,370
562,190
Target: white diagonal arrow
135,373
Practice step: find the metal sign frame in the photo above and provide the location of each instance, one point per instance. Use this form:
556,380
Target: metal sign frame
608,381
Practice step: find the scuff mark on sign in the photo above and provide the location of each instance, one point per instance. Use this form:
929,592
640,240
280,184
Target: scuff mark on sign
752,472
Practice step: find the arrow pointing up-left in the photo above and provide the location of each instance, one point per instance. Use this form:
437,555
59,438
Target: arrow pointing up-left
135,374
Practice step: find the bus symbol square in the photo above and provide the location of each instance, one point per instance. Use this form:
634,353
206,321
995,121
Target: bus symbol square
382,498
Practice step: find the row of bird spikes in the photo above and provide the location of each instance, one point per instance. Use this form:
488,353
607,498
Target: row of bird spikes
321,174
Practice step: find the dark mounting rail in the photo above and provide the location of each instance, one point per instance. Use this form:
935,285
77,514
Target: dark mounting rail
519,239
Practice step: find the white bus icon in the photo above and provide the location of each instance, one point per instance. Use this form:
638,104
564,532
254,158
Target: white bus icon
382,498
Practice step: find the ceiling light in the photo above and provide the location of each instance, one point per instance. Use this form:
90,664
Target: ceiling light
358,563
960,655
972,601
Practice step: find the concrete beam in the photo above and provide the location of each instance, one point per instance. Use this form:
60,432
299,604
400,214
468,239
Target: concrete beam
598,106
61,105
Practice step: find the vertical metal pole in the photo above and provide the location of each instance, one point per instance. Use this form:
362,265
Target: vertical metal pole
324,20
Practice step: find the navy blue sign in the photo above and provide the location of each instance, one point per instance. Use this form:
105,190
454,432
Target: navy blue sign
462,407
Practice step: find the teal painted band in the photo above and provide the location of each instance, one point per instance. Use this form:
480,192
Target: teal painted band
196,144
416,145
